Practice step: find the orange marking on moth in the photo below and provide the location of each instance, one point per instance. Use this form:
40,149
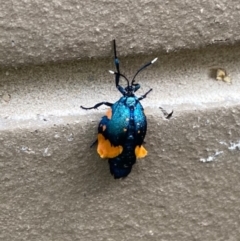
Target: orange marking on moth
106,150
109,113
140,152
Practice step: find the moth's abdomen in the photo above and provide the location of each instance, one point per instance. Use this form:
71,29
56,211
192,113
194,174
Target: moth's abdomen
121,165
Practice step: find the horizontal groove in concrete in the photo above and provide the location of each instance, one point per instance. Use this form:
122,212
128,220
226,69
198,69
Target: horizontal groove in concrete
183,80
41,32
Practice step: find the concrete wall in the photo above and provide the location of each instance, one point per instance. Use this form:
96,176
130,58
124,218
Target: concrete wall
55,56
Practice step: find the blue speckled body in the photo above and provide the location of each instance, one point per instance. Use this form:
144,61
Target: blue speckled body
127,128
122,130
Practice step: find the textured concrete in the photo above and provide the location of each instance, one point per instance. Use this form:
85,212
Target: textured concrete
187,79
43,31
53,186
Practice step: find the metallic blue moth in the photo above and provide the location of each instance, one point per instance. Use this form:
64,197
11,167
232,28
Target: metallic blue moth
122,130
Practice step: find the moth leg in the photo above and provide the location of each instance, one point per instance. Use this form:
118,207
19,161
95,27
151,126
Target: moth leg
145,95
97,105
94,143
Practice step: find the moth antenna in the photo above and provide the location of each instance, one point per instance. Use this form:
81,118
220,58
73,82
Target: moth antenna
142,68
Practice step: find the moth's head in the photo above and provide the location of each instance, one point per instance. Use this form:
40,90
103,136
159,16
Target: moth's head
131,89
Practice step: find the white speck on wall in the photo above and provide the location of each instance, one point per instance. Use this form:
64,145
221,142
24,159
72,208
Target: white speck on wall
47,152
234,146
70,137
26,149
150,232
223,143
211,158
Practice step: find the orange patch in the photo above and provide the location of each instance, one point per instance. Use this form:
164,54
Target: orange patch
106,150
140,152
109,113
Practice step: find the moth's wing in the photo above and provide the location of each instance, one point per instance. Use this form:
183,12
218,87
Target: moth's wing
140,124
118,124
105,148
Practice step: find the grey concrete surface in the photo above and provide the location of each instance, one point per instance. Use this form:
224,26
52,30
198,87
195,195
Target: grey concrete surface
44,31
186,79
54,57
53,187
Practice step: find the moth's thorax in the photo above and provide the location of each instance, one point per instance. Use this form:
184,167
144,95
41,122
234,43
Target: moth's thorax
131,101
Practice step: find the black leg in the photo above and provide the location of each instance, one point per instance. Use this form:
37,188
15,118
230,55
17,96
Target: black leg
145,95
97,105
95,142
